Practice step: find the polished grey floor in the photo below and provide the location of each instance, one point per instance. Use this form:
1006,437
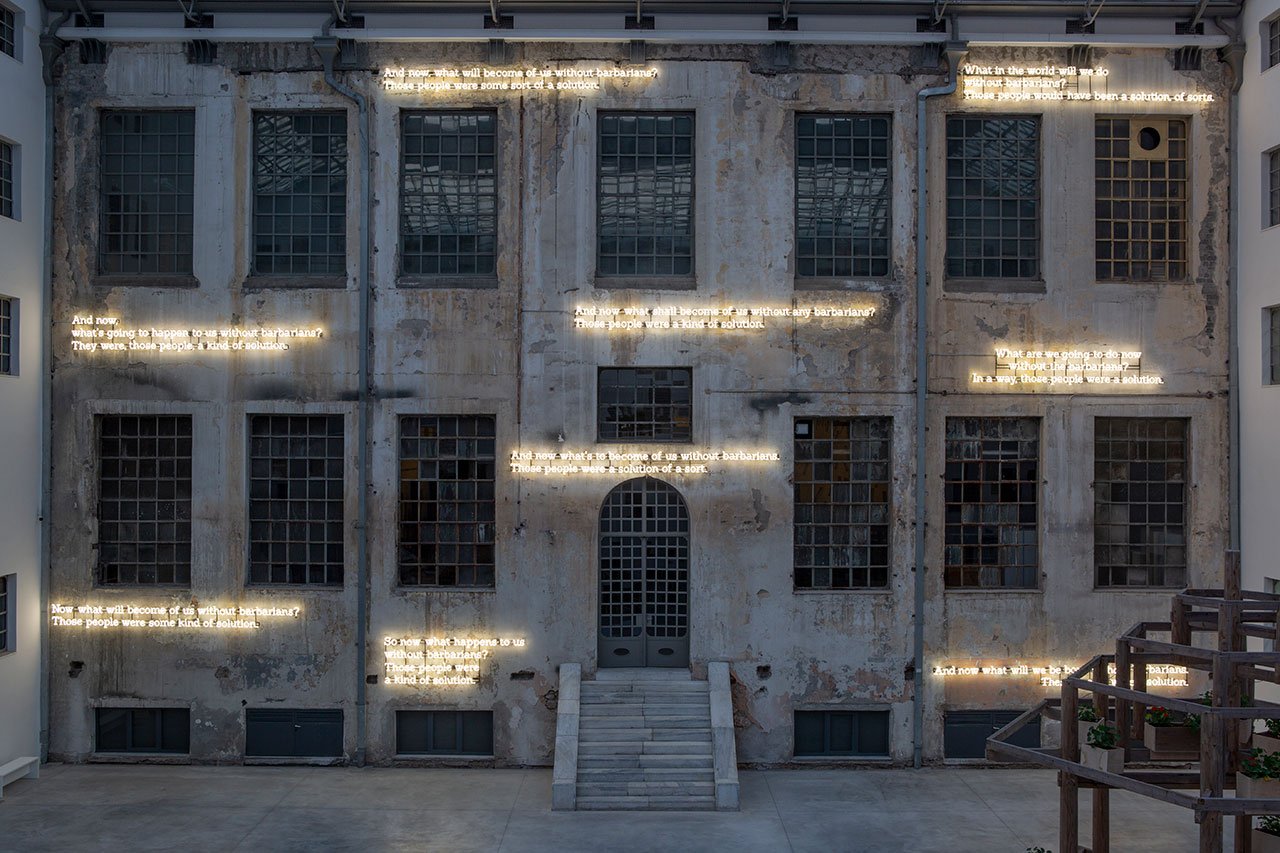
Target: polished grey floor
132,808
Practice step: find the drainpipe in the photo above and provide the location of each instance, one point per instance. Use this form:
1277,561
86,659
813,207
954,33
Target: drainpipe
1233,55
327,46
954,52
51,48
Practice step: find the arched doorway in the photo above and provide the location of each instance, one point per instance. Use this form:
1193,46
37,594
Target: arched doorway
644,576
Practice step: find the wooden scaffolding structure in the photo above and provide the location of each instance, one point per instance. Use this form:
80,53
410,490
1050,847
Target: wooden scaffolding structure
1230,617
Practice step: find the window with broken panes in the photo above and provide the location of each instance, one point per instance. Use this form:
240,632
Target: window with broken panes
447,505
8,335
842,196
644,194
1273,187
148,191
144,500
991,503
300,193
8,187
1140,201
645,404
8,31
448,194
1140,501
993,197
296,503
841,486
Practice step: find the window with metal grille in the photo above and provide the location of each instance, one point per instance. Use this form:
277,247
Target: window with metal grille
444,732
1140,199
993,197
144,499
8,336
1273,187
300,193
1273,42
821,733
8,31
991,496
644,194
842,196
841,479
6,612
296,488
447,468
965,733
448,194
1273,342
1140,477
148,191
8,187
143,730
645,404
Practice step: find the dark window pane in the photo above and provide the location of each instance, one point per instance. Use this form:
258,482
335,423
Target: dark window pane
444,732
7,174
8,335
143,730
638,404
839,732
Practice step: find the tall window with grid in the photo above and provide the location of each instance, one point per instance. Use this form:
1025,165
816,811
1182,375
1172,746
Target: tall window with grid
144,500
8,178
6,613
644,194
447,505
1140,477
842,196
1273,43
645,404
148,191
992,502
8,336
1273,187
448,194
8,31
1140,200
841,530
296,503
300,193
993,197
1273,345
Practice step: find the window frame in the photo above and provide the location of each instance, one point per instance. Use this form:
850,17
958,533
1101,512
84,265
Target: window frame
431,721
1038,586
1270,34
1187,495
998,284
104,278
599,407
856,711
11,160
646,281
479,281
158,728
887,586
1271,346
19,24
1271,187
8,614
256,279
818,282
13,340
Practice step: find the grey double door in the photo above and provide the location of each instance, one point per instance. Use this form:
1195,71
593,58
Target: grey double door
644,576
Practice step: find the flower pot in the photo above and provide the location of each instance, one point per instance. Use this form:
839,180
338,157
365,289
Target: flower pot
1265,842
1170,739
1266,743
1257,789
1083,728
1106,760
1246,731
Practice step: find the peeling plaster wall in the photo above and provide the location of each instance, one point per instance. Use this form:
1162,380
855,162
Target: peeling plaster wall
512,351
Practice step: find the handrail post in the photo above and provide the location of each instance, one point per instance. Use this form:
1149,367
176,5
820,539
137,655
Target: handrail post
1068,784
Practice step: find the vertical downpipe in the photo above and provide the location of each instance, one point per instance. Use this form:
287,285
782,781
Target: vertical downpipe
327,46
51,48
954,51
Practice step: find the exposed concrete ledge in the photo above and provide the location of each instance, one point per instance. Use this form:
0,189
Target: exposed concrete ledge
722,744
564,778
26,767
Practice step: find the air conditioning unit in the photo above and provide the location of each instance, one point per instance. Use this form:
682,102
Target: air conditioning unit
1149,139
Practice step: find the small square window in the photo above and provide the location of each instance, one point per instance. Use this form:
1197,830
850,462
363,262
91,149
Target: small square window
841,733
444,732
639,404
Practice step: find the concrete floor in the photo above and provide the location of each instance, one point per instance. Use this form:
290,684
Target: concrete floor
104,807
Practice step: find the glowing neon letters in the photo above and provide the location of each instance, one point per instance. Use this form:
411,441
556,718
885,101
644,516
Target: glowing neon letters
161,617
1058,83
105,334
1051,675
1063,370
480,78
567,463
440,661
727,318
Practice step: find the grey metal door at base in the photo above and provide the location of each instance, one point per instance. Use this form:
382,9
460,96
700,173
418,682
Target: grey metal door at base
644,576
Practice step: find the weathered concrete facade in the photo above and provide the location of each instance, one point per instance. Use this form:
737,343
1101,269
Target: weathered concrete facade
513,351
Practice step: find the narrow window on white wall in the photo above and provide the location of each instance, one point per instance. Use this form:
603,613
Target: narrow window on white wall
8,336
6,613
1273,346
8,178
8,31
1273,43
1273,187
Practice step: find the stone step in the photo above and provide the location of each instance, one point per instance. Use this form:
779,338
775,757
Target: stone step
590,733
649,774
706,788
647,747
644,687
646,803
631,674
648,709
644,762
657,721
637,699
